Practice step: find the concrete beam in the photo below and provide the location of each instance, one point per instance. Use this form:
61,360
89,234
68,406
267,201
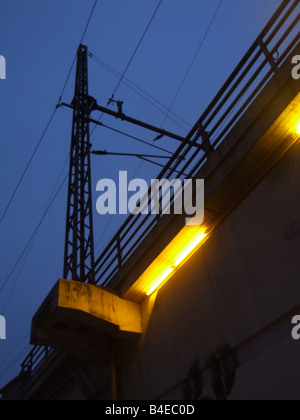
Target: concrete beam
81,319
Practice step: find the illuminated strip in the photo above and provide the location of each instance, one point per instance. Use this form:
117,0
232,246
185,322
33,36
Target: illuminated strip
298,127
189,249
183,246
161,281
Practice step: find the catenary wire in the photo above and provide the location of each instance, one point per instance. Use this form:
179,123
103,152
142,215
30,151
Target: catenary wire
131,59
135,138
187,72
175,97
14,362
31,242
75,56
193,60
32,236
137,47
11,199
142,93
27,166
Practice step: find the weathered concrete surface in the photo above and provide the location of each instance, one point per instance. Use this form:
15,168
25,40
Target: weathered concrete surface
261,137
81,319
239,292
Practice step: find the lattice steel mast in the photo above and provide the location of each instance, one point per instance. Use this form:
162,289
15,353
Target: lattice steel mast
79,262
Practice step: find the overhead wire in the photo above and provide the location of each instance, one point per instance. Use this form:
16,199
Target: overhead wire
120,81
131,59
75,56
33,234
135,138
30,243
15,361
169,109
137,47
40,140
142,93
27,166
187,72
53,197
194,59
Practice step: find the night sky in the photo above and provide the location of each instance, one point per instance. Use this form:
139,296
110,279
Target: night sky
39,40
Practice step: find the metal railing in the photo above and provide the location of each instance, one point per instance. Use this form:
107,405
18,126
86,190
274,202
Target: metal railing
35,359
261,62
259,65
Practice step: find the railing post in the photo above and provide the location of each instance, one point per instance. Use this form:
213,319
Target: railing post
270,57
119,251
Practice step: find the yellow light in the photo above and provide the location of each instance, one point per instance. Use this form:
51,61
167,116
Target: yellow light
161,281
298,127
182,247
189,249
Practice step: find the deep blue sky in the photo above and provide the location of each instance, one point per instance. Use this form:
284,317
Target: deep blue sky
39,40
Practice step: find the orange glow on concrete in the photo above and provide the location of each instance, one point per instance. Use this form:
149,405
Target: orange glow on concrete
179,250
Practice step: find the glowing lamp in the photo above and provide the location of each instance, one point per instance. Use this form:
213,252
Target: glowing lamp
298,127
179,250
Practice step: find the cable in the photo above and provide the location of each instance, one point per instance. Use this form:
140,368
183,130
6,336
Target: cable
89,21
135,138
32,238
16,360
137,155
30,245
189,69
137,48
34,233
31,242
141,92
131,60
27,166
193,60
74,60
48,123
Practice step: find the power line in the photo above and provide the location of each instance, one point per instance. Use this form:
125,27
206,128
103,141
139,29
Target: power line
16,360
169,110
141,92
193,60
29,247
134,138
89,21
27,166
75,56
33,238
131,59
52,198
48,123
137,47
33,235
188,70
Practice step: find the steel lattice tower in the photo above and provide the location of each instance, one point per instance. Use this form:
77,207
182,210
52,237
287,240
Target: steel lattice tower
79,263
